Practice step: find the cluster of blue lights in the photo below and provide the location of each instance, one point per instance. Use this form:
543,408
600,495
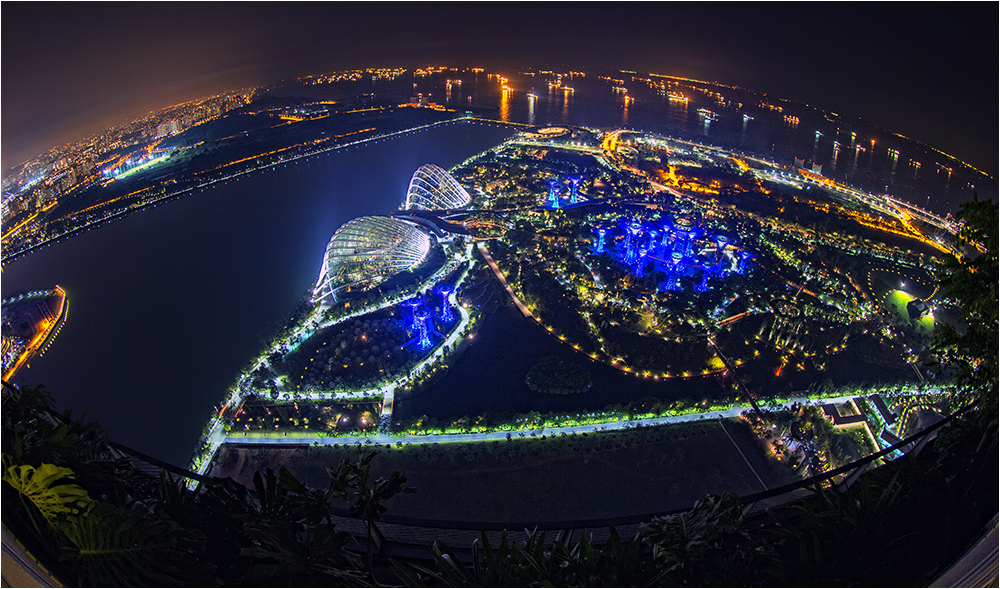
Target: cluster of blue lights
678,248
555,187
421,319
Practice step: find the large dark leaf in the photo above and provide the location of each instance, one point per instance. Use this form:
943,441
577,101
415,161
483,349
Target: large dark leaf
115,549
47,487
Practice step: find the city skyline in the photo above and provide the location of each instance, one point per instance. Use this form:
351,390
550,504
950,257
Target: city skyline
118,63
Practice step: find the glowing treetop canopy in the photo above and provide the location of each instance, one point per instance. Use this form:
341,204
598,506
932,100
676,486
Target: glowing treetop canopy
432,188
366,251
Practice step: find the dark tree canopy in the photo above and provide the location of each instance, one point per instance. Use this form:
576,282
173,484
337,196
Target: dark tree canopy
970,279
552,375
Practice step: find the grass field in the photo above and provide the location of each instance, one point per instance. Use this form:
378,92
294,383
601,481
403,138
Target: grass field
896,302
562,478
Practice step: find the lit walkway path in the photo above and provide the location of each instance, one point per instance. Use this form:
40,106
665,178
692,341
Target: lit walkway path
531,433
496,270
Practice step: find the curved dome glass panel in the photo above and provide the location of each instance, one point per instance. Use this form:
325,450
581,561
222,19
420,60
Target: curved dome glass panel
365,252
432,188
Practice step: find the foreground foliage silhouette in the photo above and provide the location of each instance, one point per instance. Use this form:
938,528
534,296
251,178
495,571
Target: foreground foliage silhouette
971,280
96,520
694,546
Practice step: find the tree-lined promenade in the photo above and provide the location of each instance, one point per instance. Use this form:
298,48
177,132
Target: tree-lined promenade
604,424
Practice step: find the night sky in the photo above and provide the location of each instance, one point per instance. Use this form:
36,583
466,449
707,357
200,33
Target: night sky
925,70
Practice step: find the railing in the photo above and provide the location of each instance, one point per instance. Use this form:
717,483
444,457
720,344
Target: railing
142,462
848,475
404,536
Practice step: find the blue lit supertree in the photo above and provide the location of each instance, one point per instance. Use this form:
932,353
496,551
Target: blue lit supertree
673,270
721,267
633,229
445,290
639,262
668,235
744,257
652,239
554,190
703,285
574,182
601,232
412,303
420,316
685,239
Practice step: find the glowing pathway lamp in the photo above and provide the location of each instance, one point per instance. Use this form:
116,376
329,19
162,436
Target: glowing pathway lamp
420,317
554,190
446,290
601,232
574,182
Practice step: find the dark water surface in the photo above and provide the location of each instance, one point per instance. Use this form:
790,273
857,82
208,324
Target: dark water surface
167,305
889,165
490,375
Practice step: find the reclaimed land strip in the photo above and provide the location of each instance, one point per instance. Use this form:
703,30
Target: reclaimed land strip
562,477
